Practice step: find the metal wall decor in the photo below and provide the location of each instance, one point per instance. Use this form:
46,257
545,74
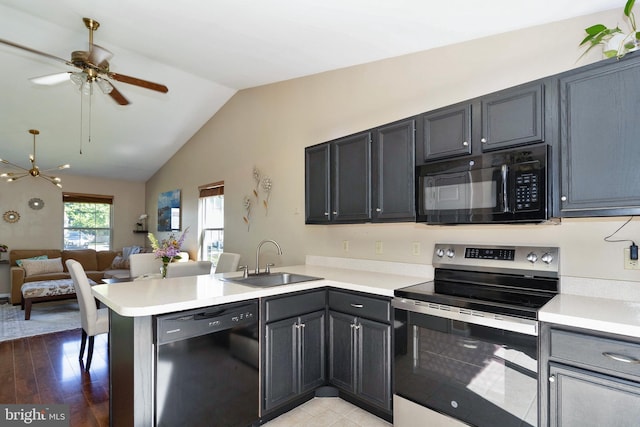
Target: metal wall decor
36,203
11,216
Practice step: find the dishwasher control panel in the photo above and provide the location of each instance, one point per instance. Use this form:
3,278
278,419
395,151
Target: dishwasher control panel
192,323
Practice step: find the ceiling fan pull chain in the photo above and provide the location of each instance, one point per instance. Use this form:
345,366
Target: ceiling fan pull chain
81,121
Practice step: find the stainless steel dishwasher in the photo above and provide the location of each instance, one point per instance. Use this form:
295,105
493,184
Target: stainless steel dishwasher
207,366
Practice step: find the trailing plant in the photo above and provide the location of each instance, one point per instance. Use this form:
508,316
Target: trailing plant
608,37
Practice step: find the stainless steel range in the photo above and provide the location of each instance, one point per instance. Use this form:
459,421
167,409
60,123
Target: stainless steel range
466,343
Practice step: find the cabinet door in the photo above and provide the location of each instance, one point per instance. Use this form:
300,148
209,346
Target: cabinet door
513,117
393,182
599,140
579,398
351,164
281,364
312,351
445,133
374,362
341,351
317,184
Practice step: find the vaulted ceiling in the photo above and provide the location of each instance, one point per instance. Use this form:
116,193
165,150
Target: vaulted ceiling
205,51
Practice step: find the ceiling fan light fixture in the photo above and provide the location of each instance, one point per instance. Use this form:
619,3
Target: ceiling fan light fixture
78,78
104,86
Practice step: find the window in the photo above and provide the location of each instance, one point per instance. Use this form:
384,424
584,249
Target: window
211,208
87,221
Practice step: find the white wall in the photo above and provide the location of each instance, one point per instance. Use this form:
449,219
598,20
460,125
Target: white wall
42,229
268,127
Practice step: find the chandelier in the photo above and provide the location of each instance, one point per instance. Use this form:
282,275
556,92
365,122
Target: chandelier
34,171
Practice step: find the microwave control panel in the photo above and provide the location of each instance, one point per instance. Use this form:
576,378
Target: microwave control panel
527,190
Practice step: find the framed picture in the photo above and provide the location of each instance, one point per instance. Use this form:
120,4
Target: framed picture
169,211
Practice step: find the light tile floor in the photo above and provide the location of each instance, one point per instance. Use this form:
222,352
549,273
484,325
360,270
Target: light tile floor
325,412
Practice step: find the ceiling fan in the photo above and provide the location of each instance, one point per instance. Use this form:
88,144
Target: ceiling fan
94,68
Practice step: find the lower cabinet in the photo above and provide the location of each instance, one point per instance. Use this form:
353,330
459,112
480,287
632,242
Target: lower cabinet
591,378
294,349
360,348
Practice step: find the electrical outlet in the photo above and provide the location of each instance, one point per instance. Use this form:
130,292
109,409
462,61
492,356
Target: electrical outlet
378,247
416,248
630,264
345,245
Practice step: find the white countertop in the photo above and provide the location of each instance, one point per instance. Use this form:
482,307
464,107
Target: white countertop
598,314
158,296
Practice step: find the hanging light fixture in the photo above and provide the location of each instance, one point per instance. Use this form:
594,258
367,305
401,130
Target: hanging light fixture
35,170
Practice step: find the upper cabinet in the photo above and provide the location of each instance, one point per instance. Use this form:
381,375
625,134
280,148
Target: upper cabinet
513,117
368,176
338,180
393,172
445,132
599,136
508,118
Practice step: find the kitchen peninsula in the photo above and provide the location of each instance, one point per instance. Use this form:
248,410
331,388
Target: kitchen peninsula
133,306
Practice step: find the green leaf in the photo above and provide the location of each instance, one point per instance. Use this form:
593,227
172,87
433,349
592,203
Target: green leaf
628,7
595,29
610,53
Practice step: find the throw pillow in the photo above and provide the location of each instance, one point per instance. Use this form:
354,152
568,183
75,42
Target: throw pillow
19,261
33,267
120,263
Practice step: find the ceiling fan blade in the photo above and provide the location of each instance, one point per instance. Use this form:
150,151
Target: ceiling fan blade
99,56
117,96
139,82
37,52
51,79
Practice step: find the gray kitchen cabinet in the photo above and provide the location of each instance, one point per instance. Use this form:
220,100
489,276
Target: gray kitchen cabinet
599,130
445,132
508,118
393,172
338,180
364,177
294,349
588,378
360,348
513,117
351,172
318,184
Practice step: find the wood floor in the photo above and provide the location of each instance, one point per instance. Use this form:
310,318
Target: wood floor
45,370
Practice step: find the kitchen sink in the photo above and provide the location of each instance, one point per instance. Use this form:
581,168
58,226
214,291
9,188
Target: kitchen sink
271,279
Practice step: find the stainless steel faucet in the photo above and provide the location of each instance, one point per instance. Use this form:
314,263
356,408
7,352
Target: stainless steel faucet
258,252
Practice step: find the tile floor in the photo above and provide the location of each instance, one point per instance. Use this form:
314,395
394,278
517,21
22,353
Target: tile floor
325,412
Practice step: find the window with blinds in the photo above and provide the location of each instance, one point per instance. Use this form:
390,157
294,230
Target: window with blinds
211,212
87,221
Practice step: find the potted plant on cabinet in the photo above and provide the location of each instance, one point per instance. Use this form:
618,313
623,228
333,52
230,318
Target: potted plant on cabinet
615,42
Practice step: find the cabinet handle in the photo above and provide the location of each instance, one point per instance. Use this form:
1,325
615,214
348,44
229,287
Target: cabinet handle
465,143
552,379
335,212
302,325
621,357
357,305
483,139
326,214
378,209
563,198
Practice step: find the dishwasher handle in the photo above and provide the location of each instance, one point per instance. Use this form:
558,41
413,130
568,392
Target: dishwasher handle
190,324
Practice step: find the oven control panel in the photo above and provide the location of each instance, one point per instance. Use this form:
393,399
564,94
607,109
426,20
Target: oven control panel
539,260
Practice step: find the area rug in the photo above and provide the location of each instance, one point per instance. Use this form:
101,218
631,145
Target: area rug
46,317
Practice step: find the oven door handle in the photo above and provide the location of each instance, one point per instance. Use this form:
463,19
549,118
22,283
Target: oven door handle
492,320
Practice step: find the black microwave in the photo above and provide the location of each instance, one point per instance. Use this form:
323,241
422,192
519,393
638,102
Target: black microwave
507,186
